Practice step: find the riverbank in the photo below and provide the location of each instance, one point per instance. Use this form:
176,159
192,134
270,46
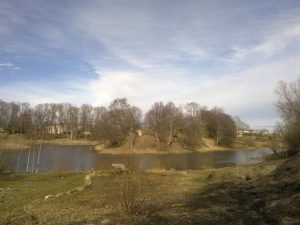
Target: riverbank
21,142
146,145
143,145
266,193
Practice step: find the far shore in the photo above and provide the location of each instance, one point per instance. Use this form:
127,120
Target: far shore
136,151
19,142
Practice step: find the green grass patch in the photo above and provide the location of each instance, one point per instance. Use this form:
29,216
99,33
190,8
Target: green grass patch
21,189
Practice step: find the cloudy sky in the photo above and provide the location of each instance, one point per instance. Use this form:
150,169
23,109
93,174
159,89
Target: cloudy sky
229,53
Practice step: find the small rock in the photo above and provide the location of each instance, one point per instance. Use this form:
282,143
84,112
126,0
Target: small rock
106,222
209,176
119,166
72,191
80,188
248,178
60,194
48,196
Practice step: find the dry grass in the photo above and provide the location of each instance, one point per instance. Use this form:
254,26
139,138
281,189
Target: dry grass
147,145
14,142
119,198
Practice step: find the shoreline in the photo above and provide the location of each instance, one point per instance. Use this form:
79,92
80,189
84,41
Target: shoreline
19,142
122,151
153,151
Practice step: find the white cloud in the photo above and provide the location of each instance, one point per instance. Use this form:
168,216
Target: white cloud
211,52
8,65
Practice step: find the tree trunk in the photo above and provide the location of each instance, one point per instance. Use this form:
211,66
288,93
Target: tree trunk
218,134
170,141
156,136
33,156
133,139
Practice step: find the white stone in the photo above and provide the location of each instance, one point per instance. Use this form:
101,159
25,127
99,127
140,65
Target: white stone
119,166
48,196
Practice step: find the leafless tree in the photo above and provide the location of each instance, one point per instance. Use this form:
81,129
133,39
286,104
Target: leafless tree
117,122
220,126
85,113
288,105
154,120
73,120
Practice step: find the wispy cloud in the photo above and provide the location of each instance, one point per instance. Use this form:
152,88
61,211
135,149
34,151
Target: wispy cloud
216,53
8,65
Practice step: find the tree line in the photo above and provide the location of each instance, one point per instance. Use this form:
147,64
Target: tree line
167,123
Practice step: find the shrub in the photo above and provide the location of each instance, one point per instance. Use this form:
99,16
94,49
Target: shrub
129,196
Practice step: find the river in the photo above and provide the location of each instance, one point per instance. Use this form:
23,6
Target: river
81,158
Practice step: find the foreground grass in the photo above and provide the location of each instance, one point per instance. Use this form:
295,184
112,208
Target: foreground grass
18,190
160,197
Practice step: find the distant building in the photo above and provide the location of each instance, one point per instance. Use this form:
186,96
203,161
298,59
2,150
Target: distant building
241,133
57,129
139,132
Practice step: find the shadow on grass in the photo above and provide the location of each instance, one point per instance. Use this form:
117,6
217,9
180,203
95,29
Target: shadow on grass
272,199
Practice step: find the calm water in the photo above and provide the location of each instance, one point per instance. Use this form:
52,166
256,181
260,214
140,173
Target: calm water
80,158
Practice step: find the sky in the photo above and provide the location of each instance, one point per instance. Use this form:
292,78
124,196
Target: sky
217,53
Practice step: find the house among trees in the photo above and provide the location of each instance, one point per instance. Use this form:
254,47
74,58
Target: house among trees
57,129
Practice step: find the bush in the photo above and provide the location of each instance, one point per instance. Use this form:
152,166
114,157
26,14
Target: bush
129,196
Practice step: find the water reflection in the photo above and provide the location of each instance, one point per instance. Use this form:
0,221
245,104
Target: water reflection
80,158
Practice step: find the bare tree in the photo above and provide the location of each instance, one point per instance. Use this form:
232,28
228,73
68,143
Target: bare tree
193,126
72,120
288,105
26,123
85,117
14,110
220,126
119,121
241,125
172,117
4,115
154,120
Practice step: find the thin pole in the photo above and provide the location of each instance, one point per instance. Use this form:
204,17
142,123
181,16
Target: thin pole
18,161
32,164
38,159
12,161
28,158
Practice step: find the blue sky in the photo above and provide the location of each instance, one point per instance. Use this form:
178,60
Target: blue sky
214,52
